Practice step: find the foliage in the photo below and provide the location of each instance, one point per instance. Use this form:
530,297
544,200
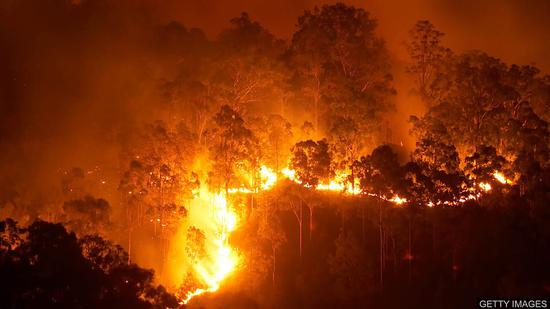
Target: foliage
234,151
311,160
47,269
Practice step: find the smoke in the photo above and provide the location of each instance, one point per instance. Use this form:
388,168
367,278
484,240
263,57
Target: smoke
74,72
70,76
513,30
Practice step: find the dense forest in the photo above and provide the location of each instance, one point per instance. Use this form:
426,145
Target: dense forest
146,164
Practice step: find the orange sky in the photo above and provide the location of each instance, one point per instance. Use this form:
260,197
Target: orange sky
514,30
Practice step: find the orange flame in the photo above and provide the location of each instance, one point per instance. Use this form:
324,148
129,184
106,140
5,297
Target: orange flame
221,259
501,178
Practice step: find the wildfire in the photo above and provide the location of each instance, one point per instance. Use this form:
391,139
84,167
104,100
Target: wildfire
398,200
268,177
501,178
341,184
290,174
221,259
485,186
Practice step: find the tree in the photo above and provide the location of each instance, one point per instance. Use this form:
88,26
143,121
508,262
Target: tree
441,164
429,59
190,95
87,215
346,143
483,163
350,266
10,235
312,162
234,151
437,155
47,269
248,74
133,186
275,137
484,105
340,66
291,199
378,174
158,178
102,253
270,229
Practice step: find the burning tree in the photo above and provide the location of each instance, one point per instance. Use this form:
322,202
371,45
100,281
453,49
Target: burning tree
340,66
429,59
234,152
312,162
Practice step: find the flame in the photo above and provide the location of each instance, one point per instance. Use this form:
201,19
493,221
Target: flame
485,186
268,178
221,258
501,178
340,183
290,174
398,200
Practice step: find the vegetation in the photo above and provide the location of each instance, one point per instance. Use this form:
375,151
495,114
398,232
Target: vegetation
259,173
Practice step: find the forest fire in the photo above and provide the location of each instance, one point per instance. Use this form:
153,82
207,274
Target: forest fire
220,259
501,178
186,154
485,186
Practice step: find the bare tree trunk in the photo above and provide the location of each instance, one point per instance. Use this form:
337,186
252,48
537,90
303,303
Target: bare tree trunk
310,221
277,157
316,99
129,244
301,221
434,244
381,231
299,217
394,253
410,257
129,224
363,222
274,267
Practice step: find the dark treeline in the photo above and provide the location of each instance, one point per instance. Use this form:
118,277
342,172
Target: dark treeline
164,112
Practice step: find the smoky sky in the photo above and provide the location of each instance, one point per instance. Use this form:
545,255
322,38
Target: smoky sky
75,73
514,30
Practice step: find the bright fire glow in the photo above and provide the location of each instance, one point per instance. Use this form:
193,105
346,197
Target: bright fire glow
485,186
290,174
398,200
501,178
268,177
221,259
340,183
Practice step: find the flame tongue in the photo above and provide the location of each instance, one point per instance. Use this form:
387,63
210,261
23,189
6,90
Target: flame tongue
222,259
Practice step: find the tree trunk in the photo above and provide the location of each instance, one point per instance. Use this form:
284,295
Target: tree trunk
316,99
363,222
310,221
410,257
274,267
434,244
381,231
301,221
129,244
